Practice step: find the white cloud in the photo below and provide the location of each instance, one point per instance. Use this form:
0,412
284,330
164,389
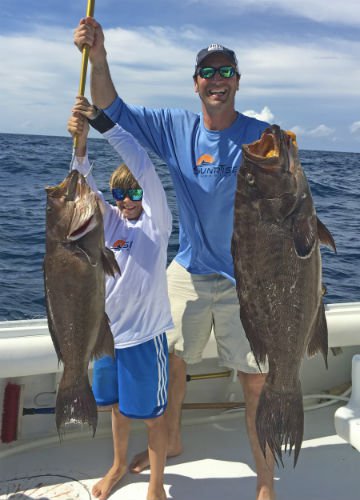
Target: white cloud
39,74
268,69
355,128
319,131
301,68
299,131
265,114
336,11
49,64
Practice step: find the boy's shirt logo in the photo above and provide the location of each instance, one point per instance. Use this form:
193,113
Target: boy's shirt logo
206,167
121,245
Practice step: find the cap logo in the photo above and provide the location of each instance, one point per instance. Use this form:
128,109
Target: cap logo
215,46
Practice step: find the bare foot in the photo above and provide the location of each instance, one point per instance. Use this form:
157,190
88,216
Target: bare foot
156,495
141,460
104,487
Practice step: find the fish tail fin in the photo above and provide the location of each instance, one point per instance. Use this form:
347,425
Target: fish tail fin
105,341
75,402
111,267
319,336
280,421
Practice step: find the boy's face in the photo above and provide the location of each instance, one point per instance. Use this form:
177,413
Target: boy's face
131,210
128,201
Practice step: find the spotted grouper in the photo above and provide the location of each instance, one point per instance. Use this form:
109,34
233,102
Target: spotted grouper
277,264
75,264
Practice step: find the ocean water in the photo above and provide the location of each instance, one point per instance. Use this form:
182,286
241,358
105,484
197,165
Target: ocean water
28,163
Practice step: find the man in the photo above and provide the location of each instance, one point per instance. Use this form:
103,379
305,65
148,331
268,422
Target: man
203,153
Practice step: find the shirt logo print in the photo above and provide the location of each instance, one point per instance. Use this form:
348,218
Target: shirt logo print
121,245
205,159
206,167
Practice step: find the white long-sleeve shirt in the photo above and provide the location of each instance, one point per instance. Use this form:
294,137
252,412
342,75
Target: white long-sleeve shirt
137,302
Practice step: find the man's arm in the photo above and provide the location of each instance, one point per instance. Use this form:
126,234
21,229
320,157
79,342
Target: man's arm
89,32
102,88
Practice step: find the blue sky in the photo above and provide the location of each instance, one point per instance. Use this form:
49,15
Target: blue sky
300,60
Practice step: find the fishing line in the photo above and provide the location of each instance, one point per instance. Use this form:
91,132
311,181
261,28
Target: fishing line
72,159
92,165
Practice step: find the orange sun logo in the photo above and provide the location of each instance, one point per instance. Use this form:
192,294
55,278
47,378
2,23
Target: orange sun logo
206,158
119,243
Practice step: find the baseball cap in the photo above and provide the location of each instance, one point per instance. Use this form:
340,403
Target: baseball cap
215,48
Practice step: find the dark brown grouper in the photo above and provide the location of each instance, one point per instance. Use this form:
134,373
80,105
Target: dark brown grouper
75,264
277,262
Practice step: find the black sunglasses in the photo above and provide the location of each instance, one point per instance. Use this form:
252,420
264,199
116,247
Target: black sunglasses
224,71
120,194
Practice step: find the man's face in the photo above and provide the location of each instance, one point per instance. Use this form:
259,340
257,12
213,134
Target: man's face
217,93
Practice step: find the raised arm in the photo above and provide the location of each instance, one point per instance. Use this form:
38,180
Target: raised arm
89,32
78,126
135,157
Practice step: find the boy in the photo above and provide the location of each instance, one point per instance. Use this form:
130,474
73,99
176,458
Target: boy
137,229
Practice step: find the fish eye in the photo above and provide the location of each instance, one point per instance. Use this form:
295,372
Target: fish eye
250,179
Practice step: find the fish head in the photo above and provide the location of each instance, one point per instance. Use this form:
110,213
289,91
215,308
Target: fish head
72,209
271,172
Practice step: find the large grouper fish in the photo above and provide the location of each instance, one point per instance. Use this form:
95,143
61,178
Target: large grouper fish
75,264
277,264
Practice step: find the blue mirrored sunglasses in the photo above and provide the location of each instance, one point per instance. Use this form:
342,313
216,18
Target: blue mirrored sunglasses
120,194
224,71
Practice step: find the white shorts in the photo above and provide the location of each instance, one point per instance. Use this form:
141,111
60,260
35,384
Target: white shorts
200,303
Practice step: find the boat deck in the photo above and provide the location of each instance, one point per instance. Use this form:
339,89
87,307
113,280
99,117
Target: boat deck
216,464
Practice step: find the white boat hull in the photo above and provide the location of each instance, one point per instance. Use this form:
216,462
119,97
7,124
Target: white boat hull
217,461
27,358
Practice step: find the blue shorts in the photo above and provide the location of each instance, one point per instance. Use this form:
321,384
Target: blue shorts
137,379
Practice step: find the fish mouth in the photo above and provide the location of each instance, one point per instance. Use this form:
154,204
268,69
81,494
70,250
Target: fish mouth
78,232
81,204
84,217
273,150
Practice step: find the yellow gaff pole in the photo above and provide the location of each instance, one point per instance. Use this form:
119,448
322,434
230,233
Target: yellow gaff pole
85,57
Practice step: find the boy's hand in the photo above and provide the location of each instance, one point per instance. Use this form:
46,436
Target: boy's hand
78,127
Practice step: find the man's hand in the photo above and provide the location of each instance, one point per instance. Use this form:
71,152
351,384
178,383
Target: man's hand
89,32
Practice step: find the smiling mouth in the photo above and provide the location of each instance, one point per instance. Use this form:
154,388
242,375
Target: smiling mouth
217,92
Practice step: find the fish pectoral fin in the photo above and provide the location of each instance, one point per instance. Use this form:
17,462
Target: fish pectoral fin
304,236
105,341
325,236
319,336
111,267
